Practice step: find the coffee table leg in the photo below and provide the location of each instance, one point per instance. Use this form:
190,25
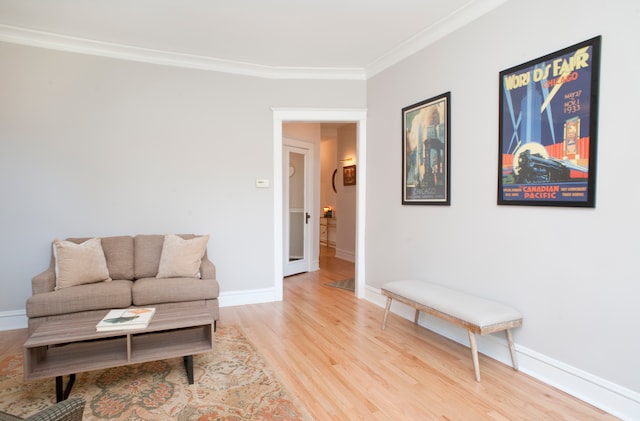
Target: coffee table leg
64,394
188,365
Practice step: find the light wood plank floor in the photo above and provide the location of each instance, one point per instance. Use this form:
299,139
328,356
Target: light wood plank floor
327,348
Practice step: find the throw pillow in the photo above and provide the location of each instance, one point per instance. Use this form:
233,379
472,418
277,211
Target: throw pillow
77,264
181,258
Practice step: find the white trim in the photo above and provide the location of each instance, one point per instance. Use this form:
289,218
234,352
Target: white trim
358,116
445,26
347,255
278,252
13,319
454,21
244,297
17,319
612,398
59,42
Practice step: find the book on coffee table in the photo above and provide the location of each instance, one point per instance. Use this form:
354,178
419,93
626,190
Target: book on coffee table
126,319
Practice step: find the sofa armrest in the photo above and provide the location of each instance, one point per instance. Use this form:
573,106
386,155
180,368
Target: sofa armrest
67,410
207,269
45,281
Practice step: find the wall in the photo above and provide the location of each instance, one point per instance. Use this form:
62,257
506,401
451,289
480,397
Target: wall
572,272
328,164
346,197
98,146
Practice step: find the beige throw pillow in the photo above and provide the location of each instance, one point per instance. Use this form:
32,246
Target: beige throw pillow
78,264
181,258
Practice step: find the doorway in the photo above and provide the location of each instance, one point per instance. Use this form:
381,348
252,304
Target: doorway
281,116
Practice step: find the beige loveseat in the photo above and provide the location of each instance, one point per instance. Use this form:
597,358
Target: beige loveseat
133,279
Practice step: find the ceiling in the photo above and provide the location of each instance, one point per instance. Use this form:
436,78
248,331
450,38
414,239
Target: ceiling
345,39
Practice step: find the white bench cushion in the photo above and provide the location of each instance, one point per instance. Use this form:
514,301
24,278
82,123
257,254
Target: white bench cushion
478,311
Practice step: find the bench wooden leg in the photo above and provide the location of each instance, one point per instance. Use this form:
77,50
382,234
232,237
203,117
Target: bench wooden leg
474,354
386,313
512,349
416,317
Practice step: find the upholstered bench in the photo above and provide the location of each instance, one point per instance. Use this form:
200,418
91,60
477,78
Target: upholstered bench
476,315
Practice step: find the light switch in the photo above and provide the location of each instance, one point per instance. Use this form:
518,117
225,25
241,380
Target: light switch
262,184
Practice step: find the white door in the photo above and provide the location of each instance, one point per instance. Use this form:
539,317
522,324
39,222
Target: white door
297,218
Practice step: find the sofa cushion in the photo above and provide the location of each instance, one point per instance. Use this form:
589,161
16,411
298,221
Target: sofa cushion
119,254
147,252
103,295
181,258
77,264
148,291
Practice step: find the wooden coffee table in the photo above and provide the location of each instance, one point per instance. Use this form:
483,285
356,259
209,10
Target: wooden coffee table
66,347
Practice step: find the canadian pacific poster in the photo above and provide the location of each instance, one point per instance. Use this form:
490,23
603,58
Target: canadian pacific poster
548,129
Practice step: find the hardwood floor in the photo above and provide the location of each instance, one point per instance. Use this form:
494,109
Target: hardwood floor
328,348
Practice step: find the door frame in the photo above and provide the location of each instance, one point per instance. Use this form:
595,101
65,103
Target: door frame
320,115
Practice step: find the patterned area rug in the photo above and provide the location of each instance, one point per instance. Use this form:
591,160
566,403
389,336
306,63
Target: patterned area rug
232,383
348,284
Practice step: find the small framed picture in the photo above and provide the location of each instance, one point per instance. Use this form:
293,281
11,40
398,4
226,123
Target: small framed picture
425,152
349,175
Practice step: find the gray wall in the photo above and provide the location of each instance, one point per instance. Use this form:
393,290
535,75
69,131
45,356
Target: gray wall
572,272
92,146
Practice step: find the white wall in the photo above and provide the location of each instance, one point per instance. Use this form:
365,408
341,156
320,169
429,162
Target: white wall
346,197
328,164
572,272
98,146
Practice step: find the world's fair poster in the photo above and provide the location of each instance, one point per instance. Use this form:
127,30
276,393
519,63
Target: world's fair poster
548,129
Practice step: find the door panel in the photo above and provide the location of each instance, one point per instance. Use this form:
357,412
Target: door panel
296,205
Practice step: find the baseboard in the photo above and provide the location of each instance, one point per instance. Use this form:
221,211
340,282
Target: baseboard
256,296
315,265
15,319
347,255
610,397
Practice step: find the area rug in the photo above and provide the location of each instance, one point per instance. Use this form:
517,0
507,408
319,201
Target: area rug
348,284
233,382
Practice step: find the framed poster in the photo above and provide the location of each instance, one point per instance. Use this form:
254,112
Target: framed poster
548,129
349,175
426,142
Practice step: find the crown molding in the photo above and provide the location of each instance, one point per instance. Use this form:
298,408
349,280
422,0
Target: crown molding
67,43
450,23
445,26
